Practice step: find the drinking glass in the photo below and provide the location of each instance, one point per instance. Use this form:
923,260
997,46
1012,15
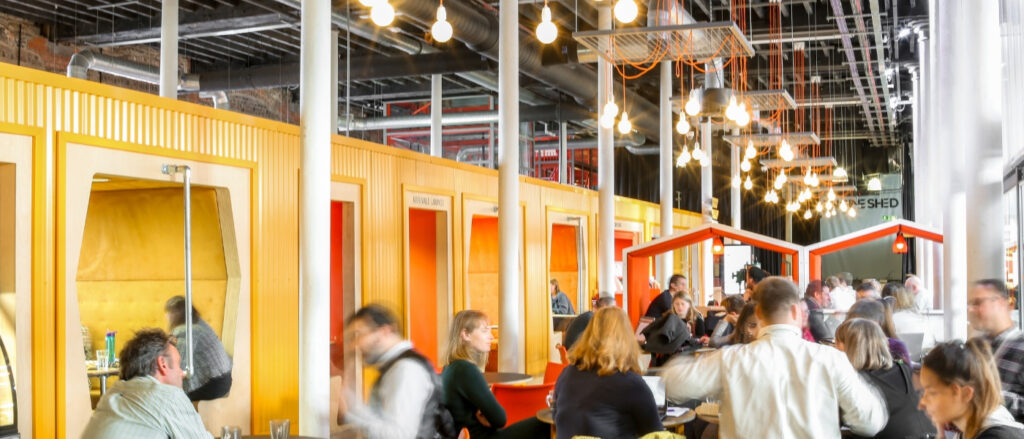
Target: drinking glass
279,428
231,432
101,359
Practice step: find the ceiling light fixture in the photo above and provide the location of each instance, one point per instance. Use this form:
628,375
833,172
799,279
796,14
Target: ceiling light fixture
751,152
625,11
683,126
693,104
843,206
748,184
745,166
546,30
900,244
382,13
683,158
786,151
736,181
807,214
839,173
717,247
874,184
442,29
625,126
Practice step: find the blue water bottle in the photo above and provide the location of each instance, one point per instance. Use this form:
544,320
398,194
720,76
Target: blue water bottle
110,348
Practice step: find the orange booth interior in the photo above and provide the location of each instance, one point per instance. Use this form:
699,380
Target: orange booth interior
564,261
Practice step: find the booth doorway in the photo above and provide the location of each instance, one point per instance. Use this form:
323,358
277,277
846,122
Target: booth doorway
428,277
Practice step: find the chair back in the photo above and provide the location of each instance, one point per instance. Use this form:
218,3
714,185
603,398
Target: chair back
552,371
522,402
563,353
914,341
464,434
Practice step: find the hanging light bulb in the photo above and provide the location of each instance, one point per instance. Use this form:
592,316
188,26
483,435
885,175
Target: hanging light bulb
843,206
705,161
785,151
780,180
607,121
368,3
839,173
831,194
874,184
442,29
610,109
852,212
382,13
807,214
698,154
807,177
745,166
683,158
828,214
625,126
818,207
748,184
546,30
717,247
730,110
625,11
814,180
750,152
768,197
742,116
736,181
693,104
900,244
683,126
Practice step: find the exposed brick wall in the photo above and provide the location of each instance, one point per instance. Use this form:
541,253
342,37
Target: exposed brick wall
22,43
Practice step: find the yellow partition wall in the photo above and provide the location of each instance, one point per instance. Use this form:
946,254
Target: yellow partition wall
43,104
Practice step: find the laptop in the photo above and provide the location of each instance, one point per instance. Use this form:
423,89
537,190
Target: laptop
657,387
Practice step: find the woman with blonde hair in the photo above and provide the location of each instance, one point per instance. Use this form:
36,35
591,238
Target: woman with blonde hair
674,330
601,393
466,393
962,390
868,350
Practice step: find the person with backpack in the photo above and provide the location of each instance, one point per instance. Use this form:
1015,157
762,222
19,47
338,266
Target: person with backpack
406,398
467,393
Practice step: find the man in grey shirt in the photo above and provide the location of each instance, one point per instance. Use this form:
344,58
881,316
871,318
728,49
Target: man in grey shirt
148,401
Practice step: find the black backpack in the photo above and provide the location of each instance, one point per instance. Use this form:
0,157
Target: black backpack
444,423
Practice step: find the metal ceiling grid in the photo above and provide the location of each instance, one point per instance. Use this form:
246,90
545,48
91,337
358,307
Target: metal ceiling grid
647,44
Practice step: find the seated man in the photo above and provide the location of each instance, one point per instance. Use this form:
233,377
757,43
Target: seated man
148,401
580,323
779,386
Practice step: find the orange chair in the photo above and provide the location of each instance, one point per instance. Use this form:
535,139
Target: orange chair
522,402
464,434
552,371
564,354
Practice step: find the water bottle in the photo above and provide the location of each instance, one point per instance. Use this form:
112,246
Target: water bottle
110,348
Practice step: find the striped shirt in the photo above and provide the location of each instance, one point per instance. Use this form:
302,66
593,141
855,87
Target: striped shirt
144,408
210,361
1009,355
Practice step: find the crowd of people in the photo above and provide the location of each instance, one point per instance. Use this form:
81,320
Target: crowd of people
779,371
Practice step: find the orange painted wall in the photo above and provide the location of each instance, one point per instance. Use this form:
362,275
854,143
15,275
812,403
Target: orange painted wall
483,266
337,280
564,261
423,281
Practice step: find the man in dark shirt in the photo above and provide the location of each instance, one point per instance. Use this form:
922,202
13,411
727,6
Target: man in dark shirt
579,324
663,302
988,310
754,275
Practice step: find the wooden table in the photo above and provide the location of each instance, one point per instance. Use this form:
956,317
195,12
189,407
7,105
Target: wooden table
506,377
544,415
103,374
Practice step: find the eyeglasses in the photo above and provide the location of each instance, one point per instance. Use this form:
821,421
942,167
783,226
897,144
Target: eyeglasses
974,303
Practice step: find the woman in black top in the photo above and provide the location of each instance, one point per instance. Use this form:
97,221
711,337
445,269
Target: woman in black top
466,393
868,350
962,390
601,392
674,330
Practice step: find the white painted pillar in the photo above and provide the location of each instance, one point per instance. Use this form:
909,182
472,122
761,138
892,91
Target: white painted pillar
665,261
169,49
314,216
605,170
735,193
563,151
511,355
707,280
435,116
917,155
334,81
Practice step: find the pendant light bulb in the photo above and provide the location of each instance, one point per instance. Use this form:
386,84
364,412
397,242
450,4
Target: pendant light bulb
831,194
736,181
369,3
807,214
839,173
705,162
748,184
625,126
807,178
610,109
814,180
843,206
382,13
608,121
818,207
750,152
698,154
852,212
682,127
730,110
874,184
693,104
785,151
546,30
745,166
683,158
442,29
625,11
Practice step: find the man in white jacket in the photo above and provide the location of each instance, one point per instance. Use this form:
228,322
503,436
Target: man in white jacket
779,386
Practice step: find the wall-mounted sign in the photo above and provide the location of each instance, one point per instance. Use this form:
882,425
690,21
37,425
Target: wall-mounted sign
419,200
877,202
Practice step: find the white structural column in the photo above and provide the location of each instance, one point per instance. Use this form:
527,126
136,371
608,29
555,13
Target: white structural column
435,115
334,81
929,163
735,194
169,49
707,281
665,262
918,157
563,151
510,299
605,171
315,216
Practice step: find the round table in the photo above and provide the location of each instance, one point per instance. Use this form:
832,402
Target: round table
506,377
544,415
103,374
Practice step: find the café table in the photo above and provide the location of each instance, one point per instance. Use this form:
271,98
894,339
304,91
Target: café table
544,415
707,413
506,378
103,374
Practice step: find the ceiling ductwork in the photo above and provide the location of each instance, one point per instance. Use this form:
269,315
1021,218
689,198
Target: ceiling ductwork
630,141
82,62
526,114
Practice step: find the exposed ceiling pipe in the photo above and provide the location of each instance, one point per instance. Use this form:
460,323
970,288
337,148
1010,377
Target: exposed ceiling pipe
866,53
876,23
415,46
83,61
631,140
220,99
837,10
526,114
